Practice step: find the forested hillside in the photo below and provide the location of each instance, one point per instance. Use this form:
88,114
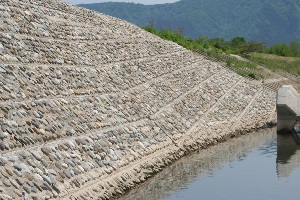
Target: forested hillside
271,21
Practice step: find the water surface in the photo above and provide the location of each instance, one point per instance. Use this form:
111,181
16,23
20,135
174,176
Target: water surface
254,166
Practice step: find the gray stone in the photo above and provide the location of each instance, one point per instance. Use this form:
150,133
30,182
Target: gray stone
44,121
36,114
55,81
70,162
14,183
1,49
35,123
22,53
12,159
3,161
2,146
20,181
18,173
76,183
9,171
85,166
26,188
67,172
56,188
52,171
17,167
38,177
29,183
46,150
1,182
34,189
47,179
2,135
65,165
72,172
36,154
25,195
54,193
76,171
156,129
58,164
31,163
6,182
44,162
46,186
81,141
2,70
58,73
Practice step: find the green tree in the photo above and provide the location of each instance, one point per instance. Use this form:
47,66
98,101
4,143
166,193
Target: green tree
238,42
219,43
253,46
281,50
295,46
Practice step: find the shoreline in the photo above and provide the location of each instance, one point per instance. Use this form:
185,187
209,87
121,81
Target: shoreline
148,187
130,177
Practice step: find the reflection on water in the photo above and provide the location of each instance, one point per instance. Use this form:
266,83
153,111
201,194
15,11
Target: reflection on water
242,168
288,154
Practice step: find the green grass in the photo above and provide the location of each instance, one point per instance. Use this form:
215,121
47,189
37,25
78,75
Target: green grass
278,63
245,68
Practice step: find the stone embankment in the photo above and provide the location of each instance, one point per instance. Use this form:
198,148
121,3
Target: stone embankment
91,105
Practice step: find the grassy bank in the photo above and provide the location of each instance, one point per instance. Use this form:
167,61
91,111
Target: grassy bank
278,63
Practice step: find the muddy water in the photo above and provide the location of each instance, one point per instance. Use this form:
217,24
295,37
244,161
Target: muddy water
255,166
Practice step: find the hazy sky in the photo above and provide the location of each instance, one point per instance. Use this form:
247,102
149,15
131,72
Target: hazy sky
146,2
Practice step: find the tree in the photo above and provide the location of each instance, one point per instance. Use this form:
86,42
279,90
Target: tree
253,46
238,42
295,46
281,50
219,43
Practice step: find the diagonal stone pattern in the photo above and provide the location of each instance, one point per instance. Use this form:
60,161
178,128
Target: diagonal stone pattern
91,105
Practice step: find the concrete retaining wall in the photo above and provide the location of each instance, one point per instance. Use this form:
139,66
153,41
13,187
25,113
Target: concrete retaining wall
288,108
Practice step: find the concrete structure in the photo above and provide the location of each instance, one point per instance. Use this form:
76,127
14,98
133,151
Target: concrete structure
288,155
288,108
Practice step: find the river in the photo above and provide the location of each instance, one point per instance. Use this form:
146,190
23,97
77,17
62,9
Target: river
260,166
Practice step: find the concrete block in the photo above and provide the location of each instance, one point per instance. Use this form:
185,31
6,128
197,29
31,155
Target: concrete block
288,108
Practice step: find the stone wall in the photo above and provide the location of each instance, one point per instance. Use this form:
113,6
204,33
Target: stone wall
91,105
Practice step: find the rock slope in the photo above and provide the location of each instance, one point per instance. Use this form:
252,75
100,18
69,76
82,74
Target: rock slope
91,105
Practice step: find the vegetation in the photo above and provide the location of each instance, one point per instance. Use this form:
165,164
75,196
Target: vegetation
219,49
237,45
278,63
291,50
215,49
270,21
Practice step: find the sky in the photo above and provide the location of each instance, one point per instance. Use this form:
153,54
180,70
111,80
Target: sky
146,2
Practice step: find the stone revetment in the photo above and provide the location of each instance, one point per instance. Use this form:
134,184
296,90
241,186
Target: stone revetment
91,105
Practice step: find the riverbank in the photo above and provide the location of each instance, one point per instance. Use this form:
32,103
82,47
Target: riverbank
178,180
128,178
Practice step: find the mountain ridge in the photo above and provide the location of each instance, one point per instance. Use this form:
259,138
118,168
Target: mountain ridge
264,21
